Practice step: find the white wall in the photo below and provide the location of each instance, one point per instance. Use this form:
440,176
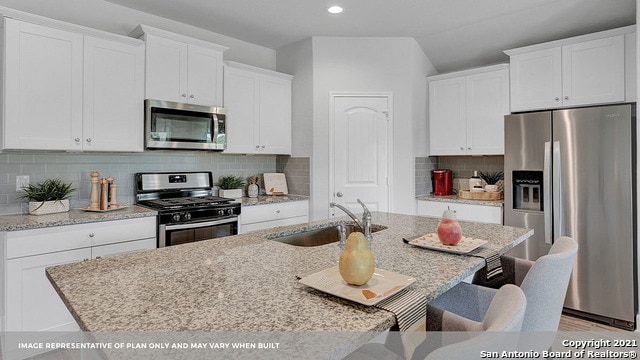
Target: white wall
395,65
297,59
106,16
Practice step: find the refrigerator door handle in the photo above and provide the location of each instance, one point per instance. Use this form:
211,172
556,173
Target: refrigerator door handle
546,184
557,194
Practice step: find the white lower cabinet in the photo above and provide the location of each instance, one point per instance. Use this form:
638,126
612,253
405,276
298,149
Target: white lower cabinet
260,217
30,301
465,212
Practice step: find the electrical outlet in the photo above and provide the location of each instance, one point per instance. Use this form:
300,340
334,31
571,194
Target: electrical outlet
22,181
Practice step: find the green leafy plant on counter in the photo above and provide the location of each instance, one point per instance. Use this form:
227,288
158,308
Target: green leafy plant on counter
491,177
48,190
229,182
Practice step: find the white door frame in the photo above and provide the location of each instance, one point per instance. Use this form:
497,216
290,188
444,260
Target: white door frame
337,94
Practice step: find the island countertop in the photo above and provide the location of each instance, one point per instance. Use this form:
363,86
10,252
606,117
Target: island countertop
248,282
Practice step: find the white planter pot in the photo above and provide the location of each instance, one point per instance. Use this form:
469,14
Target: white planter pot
231,193
491,188
48,207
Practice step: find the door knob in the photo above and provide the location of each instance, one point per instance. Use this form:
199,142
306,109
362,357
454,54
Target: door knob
339,194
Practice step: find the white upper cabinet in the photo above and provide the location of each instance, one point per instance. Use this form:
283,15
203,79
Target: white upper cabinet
585,70
64,90
113,95
258,104
42,87
466,111
181,69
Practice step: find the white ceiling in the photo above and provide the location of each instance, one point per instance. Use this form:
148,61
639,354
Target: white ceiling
454,34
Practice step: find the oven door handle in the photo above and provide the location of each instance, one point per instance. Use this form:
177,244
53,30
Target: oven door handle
201,224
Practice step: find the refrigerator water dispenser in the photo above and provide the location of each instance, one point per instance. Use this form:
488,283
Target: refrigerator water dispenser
527,190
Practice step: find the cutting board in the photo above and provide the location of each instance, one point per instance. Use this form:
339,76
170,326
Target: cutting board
275,184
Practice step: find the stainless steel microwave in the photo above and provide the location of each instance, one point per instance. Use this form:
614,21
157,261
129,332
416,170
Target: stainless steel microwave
171,125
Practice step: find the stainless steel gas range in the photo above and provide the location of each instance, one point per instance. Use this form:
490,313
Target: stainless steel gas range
187,212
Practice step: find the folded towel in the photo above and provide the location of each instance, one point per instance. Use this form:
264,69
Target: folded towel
492,260
410,309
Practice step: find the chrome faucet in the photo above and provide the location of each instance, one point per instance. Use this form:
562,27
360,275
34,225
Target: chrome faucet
364,224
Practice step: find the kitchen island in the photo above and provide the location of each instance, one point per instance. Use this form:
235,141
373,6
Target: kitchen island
248,283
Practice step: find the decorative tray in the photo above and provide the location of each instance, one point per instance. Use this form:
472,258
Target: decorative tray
431,241
112,208
382,285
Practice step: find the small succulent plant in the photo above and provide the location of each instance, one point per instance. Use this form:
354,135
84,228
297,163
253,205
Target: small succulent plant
48,190
229,182
491,177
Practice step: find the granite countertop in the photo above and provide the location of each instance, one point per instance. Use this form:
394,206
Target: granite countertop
73,216
248,283
456,199
272,199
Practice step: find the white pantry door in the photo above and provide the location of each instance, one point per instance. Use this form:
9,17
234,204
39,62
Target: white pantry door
360,151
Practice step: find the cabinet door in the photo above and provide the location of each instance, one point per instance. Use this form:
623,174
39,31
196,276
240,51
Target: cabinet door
487,104
275,115
32,302
166,69
43,87
241,93
536,80
593,72
205,76
447,116
113,95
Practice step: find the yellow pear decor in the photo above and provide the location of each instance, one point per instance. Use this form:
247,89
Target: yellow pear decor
356,262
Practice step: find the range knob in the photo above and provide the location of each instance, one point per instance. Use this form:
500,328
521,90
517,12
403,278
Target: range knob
186,216
230,211
175,217
221,212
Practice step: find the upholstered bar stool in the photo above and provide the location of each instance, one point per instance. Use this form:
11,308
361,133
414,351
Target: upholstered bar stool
504,317
544,285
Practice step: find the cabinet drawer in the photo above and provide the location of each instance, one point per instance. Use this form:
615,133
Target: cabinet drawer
60,238
269,212
464,212
273,223
123,248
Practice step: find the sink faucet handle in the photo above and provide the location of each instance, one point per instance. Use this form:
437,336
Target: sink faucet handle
366,210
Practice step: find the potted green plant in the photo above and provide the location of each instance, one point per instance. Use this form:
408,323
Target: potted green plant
491,179
230,186
48,197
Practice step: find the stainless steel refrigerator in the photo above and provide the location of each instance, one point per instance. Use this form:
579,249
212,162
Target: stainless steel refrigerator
572,172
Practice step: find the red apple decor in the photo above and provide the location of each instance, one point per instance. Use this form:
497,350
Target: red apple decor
449,231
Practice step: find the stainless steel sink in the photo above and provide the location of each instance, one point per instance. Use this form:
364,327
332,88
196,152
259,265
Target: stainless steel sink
321,236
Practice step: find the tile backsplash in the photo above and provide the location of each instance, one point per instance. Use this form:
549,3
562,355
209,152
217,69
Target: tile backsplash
463,166
75,168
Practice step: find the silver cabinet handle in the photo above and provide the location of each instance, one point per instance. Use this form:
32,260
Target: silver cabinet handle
339,194
77,139
566,98
469,148
88,140
277,211
183,95
92,235
557,98
191,96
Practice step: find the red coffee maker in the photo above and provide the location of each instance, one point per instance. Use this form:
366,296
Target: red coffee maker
442,180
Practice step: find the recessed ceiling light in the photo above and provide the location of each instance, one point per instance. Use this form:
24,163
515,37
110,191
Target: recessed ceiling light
335,9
